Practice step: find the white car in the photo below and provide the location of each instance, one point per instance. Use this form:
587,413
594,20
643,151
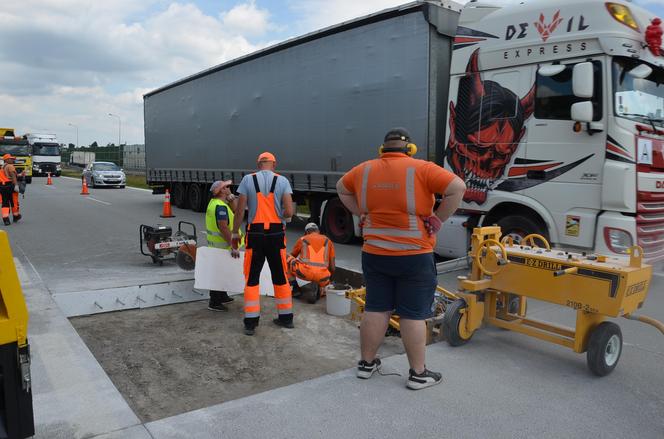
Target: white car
104,174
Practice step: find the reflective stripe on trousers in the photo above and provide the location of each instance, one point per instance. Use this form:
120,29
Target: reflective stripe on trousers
390,245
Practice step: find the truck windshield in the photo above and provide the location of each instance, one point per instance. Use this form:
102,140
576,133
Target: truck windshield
16,150
45,149
636,98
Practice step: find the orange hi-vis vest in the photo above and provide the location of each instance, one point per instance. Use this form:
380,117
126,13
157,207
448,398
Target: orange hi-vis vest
315,258
395,192
266,210
4,179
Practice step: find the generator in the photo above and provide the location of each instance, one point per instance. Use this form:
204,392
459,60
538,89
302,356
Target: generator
161,244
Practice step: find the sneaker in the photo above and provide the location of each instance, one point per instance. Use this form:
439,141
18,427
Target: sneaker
365,369
283,323
17,218
217,307
423,380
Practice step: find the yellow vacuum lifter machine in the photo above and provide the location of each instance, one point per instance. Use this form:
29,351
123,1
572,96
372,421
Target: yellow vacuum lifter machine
503,275
16,416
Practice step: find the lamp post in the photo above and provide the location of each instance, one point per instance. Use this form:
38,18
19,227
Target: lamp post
75,126
119,127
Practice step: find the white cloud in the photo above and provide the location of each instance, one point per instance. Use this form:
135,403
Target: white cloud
74,61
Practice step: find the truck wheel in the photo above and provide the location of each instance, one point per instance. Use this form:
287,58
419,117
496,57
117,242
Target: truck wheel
604,348
196,197
338,222
518,227
28,180
452,322
178,196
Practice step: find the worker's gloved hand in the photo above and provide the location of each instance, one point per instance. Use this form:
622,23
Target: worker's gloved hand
363,220
235,245
16,188
432,224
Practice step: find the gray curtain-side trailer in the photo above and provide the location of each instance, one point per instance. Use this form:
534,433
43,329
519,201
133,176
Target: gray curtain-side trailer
321,103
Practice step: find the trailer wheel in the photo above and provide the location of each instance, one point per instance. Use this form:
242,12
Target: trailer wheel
452,324
518,227
196,197
338,222
604,348
178,196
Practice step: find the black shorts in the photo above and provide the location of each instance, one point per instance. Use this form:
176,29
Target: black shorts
403,284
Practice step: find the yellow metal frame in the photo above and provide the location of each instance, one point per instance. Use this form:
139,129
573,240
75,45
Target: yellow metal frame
596,287
13,311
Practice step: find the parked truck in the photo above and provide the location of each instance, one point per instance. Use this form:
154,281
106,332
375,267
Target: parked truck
19,148
551,111
81,158
45,154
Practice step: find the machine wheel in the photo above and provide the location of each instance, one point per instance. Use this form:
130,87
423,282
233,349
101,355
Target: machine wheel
179,196
196,197
518,227
604,348
28,180
452,322
338,222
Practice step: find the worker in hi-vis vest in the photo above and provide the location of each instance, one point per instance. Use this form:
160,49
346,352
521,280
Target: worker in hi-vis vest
219,220
394,197
312,259
9,189
269,199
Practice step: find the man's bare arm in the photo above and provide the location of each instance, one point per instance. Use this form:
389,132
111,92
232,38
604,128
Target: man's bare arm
224,229
239,213
451,199
348,198
287,206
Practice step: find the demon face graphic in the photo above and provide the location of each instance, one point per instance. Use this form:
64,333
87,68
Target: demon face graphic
486,127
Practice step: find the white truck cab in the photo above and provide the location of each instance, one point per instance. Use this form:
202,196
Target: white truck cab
45,154
556,123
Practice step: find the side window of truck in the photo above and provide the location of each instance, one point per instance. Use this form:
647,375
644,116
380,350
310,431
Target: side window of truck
554,97
496,107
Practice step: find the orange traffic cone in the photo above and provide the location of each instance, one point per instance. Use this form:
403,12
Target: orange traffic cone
166,211
48,180
84,189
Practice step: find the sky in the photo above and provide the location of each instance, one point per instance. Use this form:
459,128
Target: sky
66,64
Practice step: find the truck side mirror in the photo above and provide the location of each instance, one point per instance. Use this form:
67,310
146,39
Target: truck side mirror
582,111
583,80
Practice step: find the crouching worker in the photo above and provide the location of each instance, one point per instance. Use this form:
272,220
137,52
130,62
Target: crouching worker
312,259
219,220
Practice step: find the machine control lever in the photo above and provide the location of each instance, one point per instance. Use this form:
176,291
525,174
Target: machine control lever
571,270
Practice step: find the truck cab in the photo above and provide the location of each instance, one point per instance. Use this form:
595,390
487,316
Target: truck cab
45,154
19,148
556,123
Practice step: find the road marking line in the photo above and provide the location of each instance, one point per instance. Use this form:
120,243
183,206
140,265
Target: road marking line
98,201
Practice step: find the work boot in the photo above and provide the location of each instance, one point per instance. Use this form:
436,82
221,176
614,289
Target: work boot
417,381
288,324
17,218
223,297
6,221
250,324
249,331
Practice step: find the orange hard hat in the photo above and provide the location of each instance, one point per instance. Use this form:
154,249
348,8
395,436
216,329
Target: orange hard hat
8,157
266,157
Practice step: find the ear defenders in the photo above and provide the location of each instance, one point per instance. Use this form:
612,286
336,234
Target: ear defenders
410,149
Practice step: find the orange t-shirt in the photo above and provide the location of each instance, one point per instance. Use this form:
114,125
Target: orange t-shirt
387,189
316,241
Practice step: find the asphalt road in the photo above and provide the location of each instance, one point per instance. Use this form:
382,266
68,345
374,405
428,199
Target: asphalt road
80,243
500,384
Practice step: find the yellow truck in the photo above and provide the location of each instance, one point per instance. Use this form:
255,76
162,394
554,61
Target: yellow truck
19,148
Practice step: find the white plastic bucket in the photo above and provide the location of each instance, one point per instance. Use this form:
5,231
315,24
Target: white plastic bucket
337,304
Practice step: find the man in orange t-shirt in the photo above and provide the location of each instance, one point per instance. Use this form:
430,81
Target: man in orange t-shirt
394,196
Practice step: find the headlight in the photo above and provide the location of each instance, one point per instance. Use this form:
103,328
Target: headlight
58,167
35,167
618,240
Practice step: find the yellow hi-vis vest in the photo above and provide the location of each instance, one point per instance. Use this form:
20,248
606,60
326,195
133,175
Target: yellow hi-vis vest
214,237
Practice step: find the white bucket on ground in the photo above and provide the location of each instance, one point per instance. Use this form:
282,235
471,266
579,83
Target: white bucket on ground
336,302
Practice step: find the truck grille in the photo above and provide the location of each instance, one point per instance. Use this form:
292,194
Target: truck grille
650,226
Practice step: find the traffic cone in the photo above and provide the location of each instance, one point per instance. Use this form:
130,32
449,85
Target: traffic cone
166,211
84,189
48,180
